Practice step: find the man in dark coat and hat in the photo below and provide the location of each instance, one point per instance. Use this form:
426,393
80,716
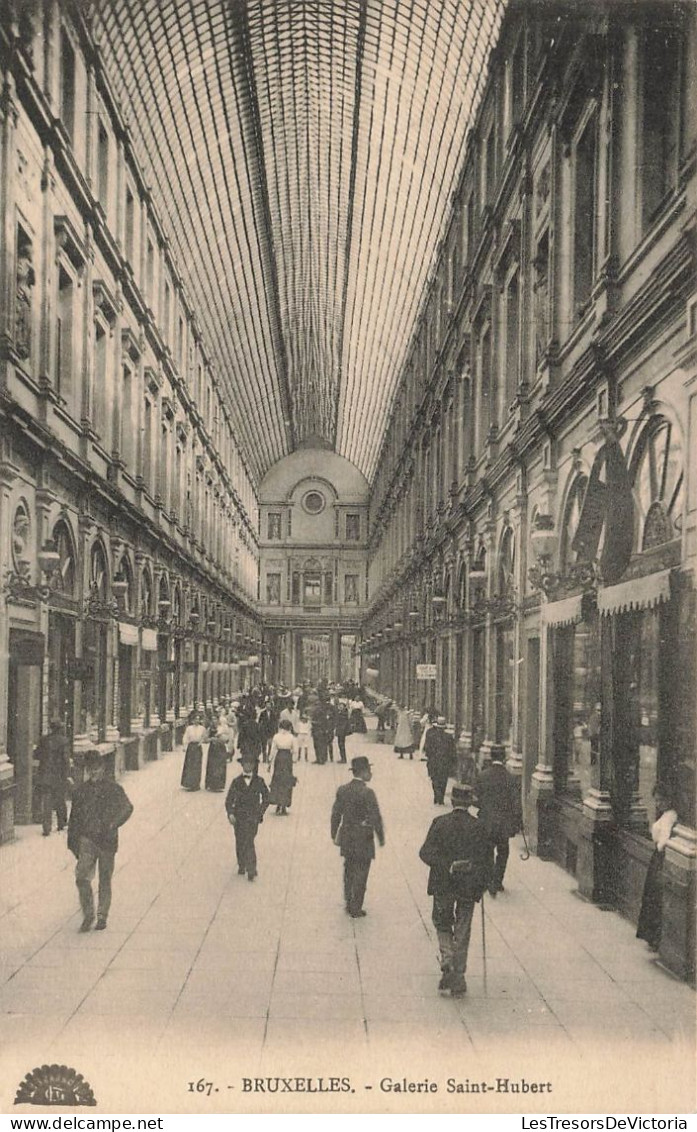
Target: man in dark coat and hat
441,758
322,718
53,753
245,804
498,812
354,823
100,806
459,853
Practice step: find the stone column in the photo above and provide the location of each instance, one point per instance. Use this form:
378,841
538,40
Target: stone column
539,819
8,473
9,112
489,648
515,756
596,855
335,656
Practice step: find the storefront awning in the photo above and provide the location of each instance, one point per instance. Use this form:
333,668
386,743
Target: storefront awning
128,634
565,612
637,593
148,641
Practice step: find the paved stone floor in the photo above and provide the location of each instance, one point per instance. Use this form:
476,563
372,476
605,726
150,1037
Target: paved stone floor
202,975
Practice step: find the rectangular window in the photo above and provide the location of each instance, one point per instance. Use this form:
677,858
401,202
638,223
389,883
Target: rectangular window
150,275
312,589
484,398
126,439
585,221
328,589
489,185
353,528
102,166
167,312
273,589
512,338
64,335
470,230
130,225
541,290
67,91
660,135
274,525
147,443
515,84
163,467
577,706
295,589
350,588
101,339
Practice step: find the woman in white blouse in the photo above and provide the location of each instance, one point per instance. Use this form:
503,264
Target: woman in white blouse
192,739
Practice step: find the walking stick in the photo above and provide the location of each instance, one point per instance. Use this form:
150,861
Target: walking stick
525,853
483,945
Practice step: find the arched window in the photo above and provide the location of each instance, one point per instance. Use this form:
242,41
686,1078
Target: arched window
658,475
145,594
477,578
506,578
99,578
63,579
123,585
21,534
176,605
572,514
462,589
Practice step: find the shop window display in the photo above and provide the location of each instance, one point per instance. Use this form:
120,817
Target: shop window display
578,706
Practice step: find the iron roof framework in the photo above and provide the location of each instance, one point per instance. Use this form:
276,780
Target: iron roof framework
302,155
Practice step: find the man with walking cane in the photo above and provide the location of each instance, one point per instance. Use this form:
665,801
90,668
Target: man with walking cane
459,852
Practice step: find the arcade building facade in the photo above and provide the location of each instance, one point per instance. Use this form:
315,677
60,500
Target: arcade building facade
533,519
530,532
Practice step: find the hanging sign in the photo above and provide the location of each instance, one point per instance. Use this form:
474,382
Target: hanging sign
425,672
148,641
128,634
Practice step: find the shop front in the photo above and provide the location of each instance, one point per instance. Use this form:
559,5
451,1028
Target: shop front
622,705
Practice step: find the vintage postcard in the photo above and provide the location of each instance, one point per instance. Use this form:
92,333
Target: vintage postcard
348,531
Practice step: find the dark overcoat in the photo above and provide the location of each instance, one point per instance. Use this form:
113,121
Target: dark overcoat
355,819
440,752
455,837
498,808
97,812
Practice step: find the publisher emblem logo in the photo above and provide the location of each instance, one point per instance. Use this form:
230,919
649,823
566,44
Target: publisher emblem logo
55,1085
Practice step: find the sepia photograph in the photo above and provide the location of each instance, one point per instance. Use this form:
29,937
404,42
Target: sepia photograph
348,538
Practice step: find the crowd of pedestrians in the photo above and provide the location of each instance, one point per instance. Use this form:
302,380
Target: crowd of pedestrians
272,730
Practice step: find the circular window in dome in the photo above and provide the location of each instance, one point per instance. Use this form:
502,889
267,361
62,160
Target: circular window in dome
313,502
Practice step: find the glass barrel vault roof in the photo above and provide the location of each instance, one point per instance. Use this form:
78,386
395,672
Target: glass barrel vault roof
301,155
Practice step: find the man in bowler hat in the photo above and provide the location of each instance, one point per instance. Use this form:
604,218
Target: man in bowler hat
246,803
53,753
498,812
458,851
99,807
354,822
441,757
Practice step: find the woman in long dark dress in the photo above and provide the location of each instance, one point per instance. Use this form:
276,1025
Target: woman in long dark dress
216,763
192,739
283,749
